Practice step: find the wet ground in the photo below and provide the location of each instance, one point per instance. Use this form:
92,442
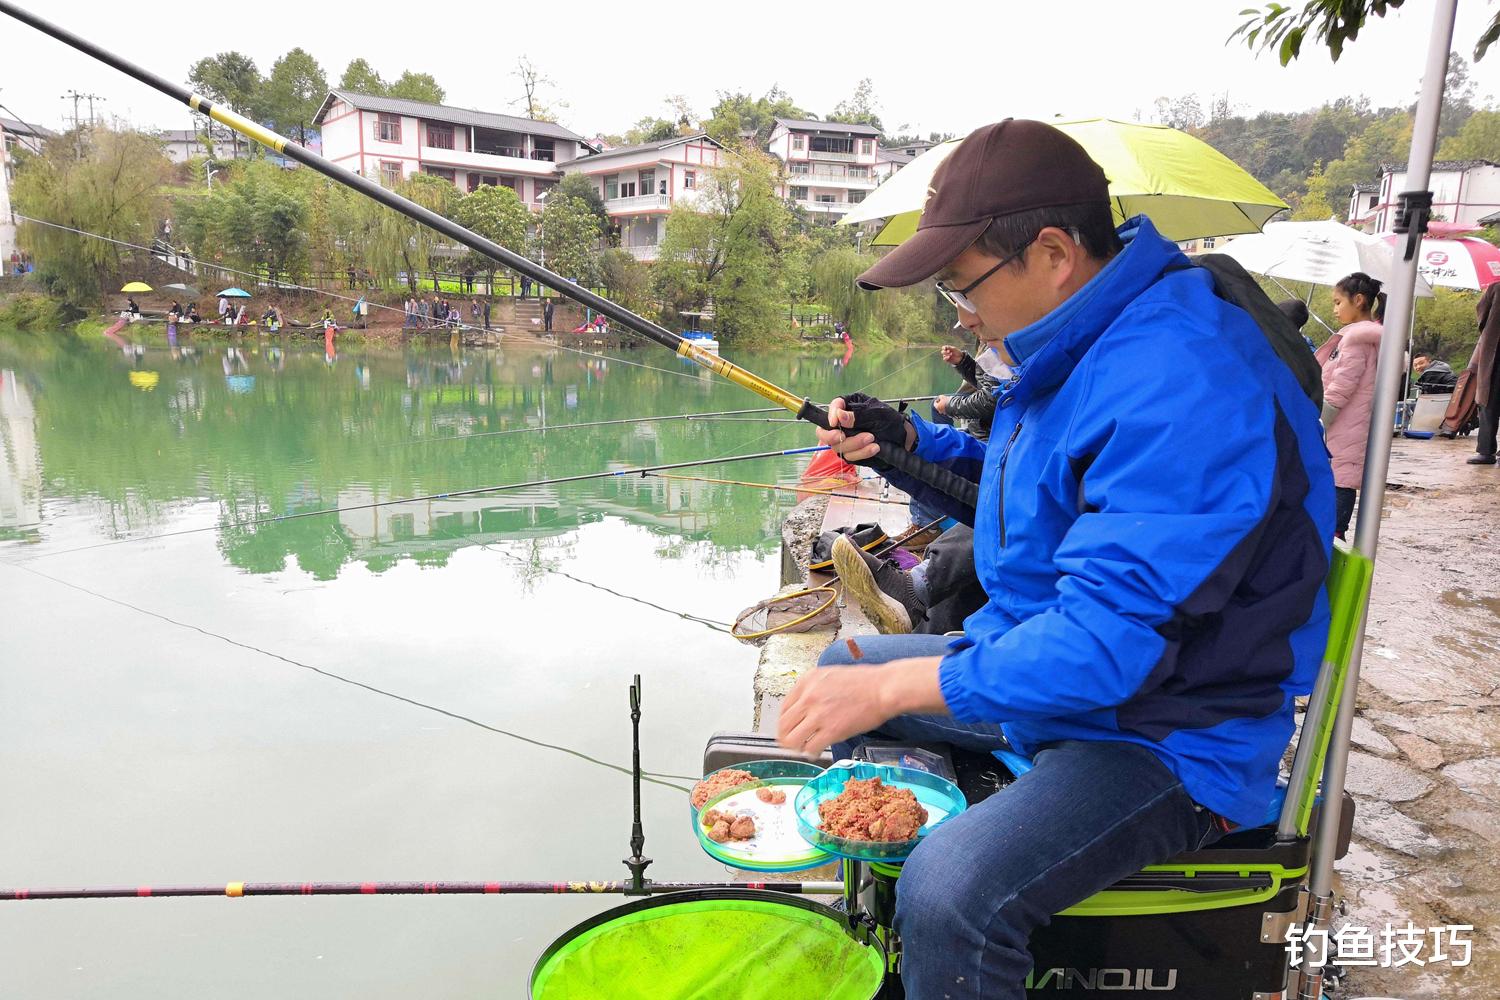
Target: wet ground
1425,766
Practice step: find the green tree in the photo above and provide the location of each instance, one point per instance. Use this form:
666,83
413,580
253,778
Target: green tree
731,249
585,190
113,190
1384,140
649,129
1183,112
570,236
393,242
294,91
255,221
495,213
417,87
361,78
860,108
1314,205
1478,139
230,78
628,280
740,112
1334,23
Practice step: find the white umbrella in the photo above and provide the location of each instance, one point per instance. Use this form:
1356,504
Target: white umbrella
1317,252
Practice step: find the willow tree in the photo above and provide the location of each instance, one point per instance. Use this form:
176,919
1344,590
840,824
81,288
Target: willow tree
395,243
113,189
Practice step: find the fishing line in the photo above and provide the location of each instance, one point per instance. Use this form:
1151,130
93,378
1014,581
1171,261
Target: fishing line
293,286
479,491
341,678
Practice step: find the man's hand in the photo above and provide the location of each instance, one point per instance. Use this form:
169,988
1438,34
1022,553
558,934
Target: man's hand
951,354
864,445
834,703
941,404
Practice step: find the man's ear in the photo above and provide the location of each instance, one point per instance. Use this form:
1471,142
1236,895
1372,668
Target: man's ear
1058,251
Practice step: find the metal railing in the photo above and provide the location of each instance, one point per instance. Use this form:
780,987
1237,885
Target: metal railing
651,252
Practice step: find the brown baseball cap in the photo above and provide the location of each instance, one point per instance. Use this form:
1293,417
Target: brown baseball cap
1011,166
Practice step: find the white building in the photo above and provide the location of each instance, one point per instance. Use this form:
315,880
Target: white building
641,184
1463,191
829,165
388,138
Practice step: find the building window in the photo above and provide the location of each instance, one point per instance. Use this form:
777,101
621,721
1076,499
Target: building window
446,173
825,199
856,196
800,167
388,128
611,187
543,149
799,194
627,189
476,181
859,171
1209,242
689,180
864,146
439,136
648,181
390,172
797,142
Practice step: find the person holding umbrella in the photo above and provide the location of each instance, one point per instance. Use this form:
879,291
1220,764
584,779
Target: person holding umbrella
1135,522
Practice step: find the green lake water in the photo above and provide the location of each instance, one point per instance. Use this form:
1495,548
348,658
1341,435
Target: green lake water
426,691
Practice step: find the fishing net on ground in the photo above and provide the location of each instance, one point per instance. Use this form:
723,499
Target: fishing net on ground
798,611
737,949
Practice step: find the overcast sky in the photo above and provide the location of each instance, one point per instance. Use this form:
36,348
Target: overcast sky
936,66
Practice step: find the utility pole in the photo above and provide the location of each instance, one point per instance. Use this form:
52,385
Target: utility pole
91,99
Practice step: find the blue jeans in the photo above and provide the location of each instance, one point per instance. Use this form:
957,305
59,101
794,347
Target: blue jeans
1087,815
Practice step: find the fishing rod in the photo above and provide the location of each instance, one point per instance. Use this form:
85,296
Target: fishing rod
711,415
641,471
238,890
936,476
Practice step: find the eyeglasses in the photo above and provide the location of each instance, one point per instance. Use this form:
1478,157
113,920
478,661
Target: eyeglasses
960,296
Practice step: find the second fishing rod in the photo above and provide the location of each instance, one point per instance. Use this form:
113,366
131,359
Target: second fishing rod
939,478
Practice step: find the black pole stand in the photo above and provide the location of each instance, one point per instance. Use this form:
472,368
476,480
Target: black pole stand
637,863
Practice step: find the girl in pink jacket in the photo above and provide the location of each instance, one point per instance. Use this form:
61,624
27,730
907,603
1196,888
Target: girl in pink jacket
1349,385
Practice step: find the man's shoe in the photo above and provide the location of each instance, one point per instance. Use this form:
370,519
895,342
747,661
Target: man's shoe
883,589
1482,460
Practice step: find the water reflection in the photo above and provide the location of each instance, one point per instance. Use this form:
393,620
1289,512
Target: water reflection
269,429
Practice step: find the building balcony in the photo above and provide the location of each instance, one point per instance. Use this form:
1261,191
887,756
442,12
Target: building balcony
833,207
645,253
489,163
818,154
638,203
824,179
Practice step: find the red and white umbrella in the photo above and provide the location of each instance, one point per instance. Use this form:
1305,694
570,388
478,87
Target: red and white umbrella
1456,263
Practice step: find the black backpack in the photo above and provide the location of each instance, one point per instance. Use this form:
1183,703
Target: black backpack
1233,283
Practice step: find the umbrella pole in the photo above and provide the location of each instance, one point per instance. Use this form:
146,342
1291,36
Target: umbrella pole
1416,205
1307,302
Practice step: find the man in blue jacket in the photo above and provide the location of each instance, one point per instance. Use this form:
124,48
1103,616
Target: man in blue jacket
1152,537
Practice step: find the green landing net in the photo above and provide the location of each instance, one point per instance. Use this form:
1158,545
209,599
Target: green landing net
748,949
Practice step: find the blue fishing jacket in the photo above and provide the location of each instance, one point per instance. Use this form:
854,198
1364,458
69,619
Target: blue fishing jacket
1153,532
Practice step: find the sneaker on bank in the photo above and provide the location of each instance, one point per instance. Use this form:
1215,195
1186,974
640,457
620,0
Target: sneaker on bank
882,589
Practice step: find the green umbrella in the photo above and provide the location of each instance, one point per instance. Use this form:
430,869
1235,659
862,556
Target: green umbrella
1186,187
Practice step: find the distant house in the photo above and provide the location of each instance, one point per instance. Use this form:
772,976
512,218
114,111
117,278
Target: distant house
387,138
1204,244
888,162
1464,191
182,144
830,166
1364,199
17,135
641,184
